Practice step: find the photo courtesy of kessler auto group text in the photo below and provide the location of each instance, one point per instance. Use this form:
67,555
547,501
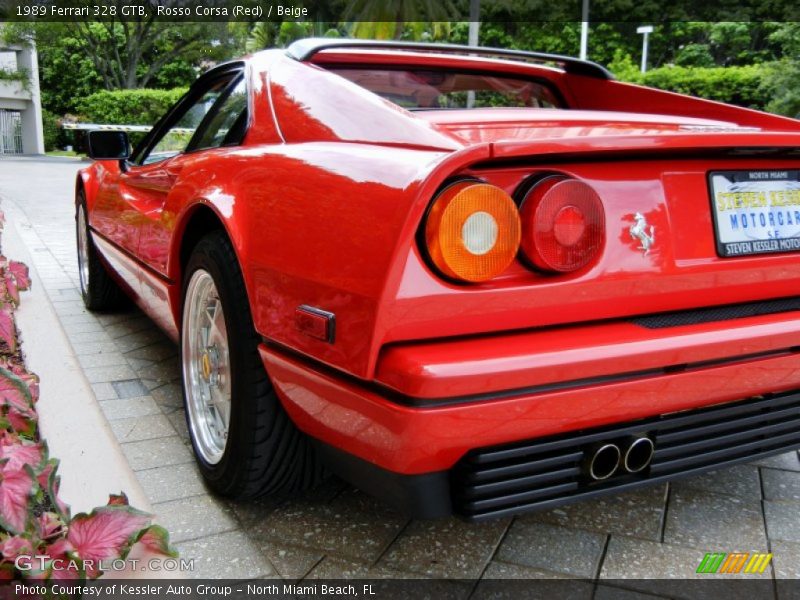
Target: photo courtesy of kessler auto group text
380,299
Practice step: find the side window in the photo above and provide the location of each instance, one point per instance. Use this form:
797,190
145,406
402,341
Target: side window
177,137
225,122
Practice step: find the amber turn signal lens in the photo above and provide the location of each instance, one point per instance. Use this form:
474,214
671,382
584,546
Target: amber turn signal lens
472,231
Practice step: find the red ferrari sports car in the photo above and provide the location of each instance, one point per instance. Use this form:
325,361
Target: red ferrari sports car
468,280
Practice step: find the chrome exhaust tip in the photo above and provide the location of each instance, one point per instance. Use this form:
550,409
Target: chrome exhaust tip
638,454
602,461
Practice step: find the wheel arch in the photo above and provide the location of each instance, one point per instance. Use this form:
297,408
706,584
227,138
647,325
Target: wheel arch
197,221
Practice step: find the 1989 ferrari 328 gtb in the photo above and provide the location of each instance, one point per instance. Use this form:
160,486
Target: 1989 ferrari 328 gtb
468,280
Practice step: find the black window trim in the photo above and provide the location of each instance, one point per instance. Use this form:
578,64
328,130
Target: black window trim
212,112
232,70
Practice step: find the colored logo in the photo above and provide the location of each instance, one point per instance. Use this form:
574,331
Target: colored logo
735,562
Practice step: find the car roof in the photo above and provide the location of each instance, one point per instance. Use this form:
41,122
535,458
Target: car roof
305,50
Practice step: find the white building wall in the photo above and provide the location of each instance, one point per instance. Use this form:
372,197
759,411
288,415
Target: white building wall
24,98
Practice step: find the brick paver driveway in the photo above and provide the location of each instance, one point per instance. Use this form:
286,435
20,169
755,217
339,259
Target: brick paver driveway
334,531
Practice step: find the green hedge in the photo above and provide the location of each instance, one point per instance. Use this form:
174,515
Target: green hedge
743,86
51,128
128,107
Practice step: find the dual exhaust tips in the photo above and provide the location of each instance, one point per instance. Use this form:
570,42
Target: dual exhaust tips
603,460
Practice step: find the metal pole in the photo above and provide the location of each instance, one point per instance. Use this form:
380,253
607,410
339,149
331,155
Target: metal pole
474,30
584,30
644,53
474,21
644,30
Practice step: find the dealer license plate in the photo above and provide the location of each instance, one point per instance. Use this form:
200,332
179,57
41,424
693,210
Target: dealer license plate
756,212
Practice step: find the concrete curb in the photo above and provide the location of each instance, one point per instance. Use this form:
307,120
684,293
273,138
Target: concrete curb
71,421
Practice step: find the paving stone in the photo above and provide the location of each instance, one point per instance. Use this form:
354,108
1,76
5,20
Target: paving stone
128,326
157,351
252,513
787,461
607,592
554,548
172,482
127,408
119,317
502,580
113,373
169,396
225,556
780,485
352,526
134,429
387,583
178,420
785,567
194,517
149,454
87,337
104,359
741,480
134,341
641,564
636,514
448,548
783,520
93,348
104,391
82,327
705,520
129,388
79,319
290,563
162,372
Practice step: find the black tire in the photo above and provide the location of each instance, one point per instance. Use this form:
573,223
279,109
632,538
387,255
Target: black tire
99,291
264,454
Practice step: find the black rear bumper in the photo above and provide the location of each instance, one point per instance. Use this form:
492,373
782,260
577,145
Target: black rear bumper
546,472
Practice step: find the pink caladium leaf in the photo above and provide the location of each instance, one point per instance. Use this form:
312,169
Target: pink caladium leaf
11,288
23,425
21,453
20,272
156,539
15,394
48,525
16,488
49,481
105,533
69,567
16,545
8,331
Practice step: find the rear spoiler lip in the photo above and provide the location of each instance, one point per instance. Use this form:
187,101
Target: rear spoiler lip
706,142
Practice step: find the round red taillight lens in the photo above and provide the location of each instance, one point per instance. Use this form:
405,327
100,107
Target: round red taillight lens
563,225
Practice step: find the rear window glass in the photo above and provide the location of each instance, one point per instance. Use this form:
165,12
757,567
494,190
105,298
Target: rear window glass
420,89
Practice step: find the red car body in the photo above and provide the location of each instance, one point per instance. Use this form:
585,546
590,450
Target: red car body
448,396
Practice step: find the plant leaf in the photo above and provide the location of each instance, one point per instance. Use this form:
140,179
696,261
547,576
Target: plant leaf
15,492
8,332
156,539
20,454
11,287
20,272
14,392
106,533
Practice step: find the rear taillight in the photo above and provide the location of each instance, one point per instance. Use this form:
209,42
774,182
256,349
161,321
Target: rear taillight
472,231
563,225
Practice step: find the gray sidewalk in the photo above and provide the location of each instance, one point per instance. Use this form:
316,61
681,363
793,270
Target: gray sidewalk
336,531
